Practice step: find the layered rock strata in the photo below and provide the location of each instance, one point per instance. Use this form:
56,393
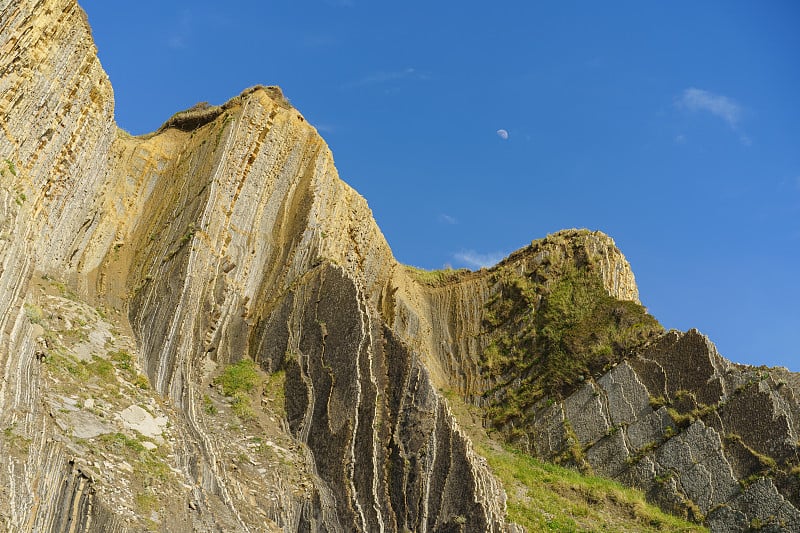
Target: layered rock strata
701,436
202,234
137,273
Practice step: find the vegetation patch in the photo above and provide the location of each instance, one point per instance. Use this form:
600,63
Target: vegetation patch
275,391
14,440
119,443
547,337
238,381
8,165
436,278
546,497
34,313
146,502
238,377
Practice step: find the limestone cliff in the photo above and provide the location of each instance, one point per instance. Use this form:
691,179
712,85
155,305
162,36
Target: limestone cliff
203,329
225,236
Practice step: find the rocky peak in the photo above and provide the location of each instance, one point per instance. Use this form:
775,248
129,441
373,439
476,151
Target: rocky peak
203,329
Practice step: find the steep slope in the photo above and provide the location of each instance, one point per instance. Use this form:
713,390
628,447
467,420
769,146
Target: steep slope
215,234
296,374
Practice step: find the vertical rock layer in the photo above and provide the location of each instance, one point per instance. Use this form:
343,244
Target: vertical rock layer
227,236
223,227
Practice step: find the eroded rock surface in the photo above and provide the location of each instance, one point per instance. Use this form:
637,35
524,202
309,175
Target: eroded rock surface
704,437
136,274
223,237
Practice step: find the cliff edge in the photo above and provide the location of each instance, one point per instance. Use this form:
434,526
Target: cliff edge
203,329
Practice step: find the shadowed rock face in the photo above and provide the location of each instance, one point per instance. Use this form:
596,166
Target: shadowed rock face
225,236
136,273
700,435
359,394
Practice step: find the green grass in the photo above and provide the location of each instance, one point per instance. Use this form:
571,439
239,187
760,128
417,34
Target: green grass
146,502
238,377
100,367
208,405
118,442
8,165
122,359
435,278
548,337
16,441
238,381
34,313
546,497
274,387
243,406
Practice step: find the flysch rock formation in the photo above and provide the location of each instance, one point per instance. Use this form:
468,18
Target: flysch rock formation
225,236
136,271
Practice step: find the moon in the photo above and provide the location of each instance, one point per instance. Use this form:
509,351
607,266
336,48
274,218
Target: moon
503,134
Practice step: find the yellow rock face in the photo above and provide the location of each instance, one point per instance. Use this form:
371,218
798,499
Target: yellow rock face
225,236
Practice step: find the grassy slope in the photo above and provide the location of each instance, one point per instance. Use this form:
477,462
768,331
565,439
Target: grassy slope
546,497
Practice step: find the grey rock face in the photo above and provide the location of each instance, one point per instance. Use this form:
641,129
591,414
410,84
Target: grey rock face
227,236
722,426
425,476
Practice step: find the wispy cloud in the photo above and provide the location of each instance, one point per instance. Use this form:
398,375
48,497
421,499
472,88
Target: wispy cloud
718,105
182,31
325,128
379,77
473,259
447,219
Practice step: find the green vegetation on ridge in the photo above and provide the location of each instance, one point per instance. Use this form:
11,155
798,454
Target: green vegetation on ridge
552,330
238,381
435,278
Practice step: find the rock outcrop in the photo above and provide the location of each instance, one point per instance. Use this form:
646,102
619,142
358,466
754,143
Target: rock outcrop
203,329
703,437
225,236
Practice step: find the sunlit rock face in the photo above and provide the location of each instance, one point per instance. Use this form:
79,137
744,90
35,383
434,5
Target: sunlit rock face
203,329
135,270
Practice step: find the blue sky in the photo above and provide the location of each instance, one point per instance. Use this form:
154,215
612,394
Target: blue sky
672,126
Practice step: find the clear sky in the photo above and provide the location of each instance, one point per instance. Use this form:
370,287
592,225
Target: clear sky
672,126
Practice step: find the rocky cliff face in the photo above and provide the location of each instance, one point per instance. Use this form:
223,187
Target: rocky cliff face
225,236
203,329
702,436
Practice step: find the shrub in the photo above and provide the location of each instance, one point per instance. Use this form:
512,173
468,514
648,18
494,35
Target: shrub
34,313
238,377
546,338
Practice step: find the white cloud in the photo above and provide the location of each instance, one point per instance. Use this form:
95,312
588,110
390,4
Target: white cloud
447,219
718,105
183,30
473,259
680,139
325,128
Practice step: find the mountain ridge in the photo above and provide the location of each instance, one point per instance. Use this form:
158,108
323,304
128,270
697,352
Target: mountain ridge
139,273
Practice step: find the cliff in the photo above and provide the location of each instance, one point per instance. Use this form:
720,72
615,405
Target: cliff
203,329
